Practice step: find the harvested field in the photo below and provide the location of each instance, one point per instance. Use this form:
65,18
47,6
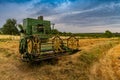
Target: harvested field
108,67
98,60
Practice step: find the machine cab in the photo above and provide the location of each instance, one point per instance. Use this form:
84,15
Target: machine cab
39,28
36,26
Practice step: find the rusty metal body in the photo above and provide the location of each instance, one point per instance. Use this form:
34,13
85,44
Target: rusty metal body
37,42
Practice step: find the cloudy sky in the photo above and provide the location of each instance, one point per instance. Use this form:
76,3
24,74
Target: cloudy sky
68,15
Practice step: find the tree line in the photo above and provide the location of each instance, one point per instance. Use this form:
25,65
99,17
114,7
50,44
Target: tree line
9,28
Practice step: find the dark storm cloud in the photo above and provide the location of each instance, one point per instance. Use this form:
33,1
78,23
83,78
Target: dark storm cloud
90,12
101,16
47,8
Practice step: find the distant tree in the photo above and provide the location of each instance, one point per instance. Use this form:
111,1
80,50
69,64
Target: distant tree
0,30
64,33
9,27
55,31
117,34
69,33
108,34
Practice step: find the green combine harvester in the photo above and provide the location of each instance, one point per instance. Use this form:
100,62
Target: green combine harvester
38,43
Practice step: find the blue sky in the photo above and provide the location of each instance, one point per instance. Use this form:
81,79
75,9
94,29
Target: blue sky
68,15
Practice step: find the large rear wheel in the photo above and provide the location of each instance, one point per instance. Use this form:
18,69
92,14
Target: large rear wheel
37,45
22,46
29,46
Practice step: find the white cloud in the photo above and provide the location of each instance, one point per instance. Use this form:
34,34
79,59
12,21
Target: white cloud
19,11
63,7
78,29
13,10
113,28
63,10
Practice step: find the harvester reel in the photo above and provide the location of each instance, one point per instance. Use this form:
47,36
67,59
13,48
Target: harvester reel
72,43
57,44
22,46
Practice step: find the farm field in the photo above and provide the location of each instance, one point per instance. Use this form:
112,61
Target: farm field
98,59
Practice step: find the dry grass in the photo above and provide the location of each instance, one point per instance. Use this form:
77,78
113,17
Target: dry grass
8,37
71,67
108,67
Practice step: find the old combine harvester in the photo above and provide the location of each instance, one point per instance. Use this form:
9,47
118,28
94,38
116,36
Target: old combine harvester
37,43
